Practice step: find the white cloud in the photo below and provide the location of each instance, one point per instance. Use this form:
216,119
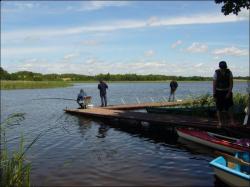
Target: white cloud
178,42
197,48
96,5
33,64
233,51
15,51
95,66
13,7
90,42
198,65
152,20
216,58
70,56
244,13
149,53
122,24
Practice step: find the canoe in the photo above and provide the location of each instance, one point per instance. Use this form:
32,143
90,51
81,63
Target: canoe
232,173
216,141
209,111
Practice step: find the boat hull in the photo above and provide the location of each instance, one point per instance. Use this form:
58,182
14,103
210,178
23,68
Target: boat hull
215,144
231,179
229,173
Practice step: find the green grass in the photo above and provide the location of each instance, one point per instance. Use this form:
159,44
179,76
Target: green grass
240,103
15,171
240,100
8,85
14,168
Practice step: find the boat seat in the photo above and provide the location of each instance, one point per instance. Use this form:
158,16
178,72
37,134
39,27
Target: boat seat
246,157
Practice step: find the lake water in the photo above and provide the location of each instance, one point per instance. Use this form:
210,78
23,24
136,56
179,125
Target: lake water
82,151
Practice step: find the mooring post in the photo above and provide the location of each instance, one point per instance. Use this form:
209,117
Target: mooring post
138,101
164,98
123,101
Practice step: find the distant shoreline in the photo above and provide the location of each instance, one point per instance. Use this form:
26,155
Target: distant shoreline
12,85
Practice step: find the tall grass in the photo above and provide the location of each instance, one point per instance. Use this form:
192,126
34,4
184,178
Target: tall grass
14,168
15,171
200,101
240,100
8,85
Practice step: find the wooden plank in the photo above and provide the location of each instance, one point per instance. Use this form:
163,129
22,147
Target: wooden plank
179,121
143,105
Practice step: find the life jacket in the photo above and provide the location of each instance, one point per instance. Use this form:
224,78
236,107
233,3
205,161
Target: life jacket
223,80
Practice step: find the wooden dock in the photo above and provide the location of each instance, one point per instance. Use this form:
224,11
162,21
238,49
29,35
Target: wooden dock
169,120
143,105
120,112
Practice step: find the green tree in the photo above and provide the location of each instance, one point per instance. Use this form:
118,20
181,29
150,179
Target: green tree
4,75
233,6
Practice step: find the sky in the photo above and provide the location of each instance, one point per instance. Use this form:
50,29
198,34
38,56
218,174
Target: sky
181,38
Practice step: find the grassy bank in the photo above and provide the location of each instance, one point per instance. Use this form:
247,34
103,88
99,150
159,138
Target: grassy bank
8,85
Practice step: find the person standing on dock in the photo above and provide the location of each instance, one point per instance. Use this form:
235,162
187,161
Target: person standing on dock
102,86
173,88
222,92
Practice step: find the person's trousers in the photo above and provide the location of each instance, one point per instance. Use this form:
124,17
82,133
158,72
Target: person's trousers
172,94
104,100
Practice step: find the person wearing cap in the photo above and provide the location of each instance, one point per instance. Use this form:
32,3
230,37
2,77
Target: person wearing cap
222,92
80,98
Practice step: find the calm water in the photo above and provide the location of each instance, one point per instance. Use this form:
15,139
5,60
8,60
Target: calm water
80,151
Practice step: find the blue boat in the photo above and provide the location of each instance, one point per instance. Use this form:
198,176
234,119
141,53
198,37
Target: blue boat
234,171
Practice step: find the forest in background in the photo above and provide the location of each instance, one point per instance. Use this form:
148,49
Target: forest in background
31,76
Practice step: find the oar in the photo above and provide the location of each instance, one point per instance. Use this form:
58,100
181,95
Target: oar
232,158
221,136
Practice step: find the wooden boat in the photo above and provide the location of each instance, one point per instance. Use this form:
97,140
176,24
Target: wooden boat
216,141
234,171
209,111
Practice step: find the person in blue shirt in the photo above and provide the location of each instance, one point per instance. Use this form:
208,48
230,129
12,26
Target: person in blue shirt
80,98
102,86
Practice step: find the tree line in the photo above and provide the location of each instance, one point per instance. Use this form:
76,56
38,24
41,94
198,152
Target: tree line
31,76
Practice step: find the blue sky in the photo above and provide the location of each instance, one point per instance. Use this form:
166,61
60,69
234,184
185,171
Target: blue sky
184,38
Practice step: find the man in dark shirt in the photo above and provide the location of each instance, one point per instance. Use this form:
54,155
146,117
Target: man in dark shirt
222,92
173,87
102,86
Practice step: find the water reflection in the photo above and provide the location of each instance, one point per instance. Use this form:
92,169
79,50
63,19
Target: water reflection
102,131
84,125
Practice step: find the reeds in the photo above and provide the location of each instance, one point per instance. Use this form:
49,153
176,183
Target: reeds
240,100
8,85
200,101
14,168
15,171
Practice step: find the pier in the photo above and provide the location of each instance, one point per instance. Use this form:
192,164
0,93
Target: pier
168,120
121,112
144,105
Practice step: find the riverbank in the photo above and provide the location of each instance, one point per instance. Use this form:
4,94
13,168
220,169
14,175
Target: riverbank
11,85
